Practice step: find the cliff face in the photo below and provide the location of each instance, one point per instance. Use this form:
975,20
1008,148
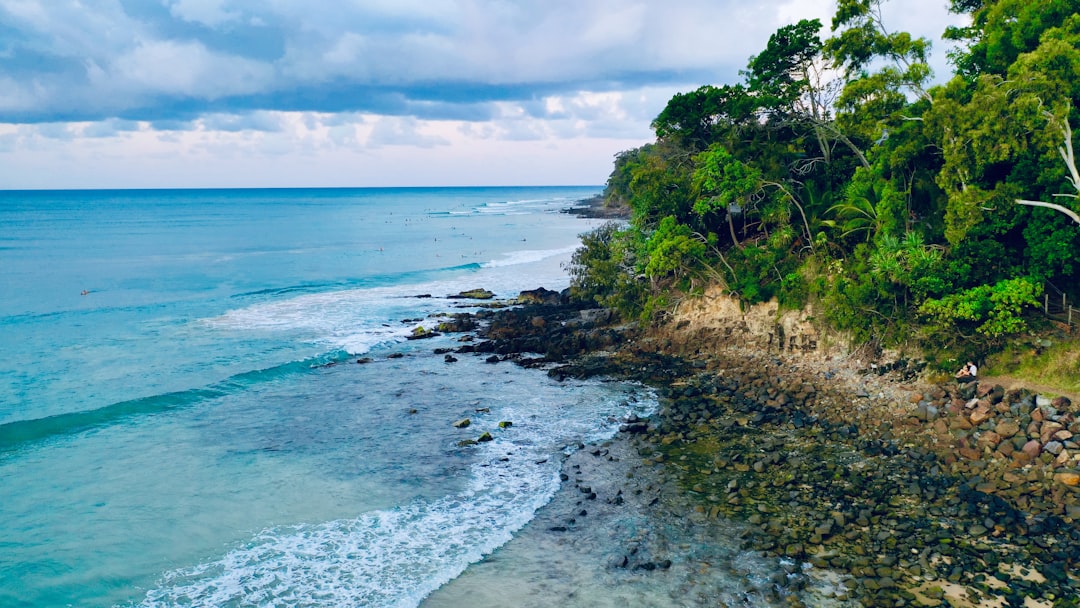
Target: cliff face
716,320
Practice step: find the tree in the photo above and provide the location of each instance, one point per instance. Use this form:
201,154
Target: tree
693,119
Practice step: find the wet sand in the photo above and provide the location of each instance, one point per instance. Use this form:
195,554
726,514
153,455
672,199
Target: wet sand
618,534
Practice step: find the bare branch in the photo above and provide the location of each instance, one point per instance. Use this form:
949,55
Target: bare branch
1055,207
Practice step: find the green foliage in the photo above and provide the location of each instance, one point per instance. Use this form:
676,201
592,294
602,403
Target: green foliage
888,205
672,250
602,271
723,180
781,74
692,119
984,315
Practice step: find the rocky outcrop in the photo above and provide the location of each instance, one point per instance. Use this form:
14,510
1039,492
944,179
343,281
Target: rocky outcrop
472,294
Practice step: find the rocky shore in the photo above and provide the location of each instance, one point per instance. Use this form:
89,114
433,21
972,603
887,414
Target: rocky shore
909,494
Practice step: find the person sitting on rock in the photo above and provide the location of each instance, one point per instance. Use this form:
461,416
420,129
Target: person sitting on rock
967,373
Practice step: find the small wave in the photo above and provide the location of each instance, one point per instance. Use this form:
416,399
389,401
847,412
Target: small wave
387,558
14,435
369,282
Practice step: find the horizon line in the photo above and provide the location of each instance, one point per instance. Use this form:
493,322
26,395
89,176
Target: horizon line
198,188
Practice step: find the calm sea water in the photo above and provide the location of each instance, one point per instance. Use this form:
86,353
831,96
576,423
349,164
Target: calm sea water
182,421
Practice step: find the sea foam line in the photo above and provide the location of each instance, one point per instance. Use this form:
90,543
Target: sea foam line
395,558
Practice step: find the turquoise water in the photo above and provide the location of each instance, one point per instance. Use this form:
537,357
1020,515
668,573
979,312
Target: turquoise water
194,430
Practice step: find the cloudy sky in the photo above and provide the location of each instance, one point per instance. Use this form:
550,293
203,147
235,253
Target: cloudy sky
282,93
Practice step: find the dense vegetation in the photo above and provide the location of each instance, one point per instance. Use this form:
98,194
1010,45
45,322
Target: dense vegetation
833,174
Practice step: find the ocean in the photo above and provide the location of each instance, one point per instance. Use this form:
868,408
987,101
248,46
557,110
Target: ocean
183,421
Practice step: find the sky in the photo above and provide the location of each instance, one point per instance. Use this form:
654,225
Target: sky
365,93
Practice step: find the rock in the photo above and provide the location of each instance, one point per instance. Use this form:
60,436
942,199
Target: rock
1032,448
492,359
539,296
486,436
1007,429
450,359
464,443
1053,447
1046,432
1063,459
505,424
457,323
421,333
1071,478
363,360
1061,403
981,413
990,439
473,294
595,316
463,423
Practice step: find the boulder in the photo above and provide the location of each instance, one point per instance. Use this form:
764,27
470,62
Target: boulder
473,294
420,333
1070,478
539,296
981,414
990,439
463,423
1046,432
1032,448
1007,429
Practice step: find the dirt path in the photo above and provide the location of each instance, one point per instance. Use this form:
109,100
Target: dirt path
1009,382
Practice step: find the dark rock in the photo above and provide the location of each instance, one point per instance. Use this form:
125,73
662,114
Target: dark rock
540,296
421,333
473,294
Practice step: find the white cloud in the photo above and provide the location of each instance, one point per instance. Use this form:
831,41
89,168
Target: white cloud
205,85
188,69
211,13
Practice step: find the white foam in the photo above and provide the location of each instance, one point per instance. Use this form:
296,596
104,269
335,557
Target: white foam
528,256
397,557
358,320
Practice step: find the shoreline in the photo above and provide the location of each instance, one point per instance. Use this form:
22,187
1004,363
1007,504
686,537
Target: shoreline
907,492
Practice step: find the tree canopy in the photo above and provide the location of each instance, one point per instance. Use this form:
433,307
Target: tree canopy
834,173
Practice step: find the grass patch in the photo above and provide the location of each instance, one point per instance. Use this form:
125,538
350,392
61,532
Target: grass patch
1054,363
